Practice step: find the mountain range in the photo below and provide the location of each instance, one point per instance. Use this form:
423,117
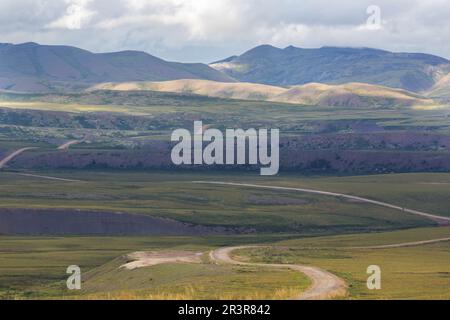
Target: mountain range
331,65
31,67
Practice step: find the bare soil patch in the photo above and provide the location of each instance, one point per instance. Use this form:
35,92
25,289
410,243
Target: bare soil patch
142,259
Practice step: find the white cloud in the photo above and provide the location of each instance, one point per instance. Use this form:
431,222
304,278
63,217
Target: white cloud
203,30
76,16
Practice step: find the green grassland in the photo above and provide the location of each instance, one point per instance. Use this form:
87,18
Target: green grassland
174,195
416,272
169,110
35,267
304,228
111,120
420,191
193,281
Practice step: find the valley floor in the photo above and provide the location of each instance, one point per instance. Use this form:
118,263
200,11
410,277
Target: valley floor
331,233
34,267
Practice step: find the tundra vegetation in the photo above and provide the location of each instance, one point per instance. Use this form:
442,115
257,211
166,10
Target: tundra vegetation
122,164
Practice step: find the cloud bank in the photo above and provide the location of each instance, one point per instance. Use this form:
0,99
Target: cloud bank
206,30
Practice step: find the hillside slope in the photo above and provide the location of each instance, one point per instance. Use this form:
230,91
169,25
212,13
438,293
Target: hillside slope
350,95
441,89
293,66
31,67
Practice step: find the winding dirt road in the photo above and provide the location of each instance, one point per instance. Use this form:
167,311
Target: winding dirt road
436,218
8,158
325,285
66,145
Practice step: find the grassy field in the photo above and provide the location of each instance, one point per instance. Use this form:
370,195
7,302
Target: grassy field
222,113
303,228
175,196
193,281
416,272
35,267
421,191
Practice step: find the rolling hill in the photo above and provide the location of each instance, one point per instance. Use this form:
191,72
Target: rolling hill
326,76
441,89
30,67
331,65
350,94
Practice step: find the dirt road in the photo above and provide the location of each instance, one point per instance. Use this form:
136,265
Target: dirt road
68,144
436,218
325,285
45,177
8,158
405,244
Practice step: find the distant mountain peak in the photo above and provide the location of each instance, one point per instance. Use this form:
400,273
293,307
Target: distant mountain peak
262,49
29,44
291,47
270,65
224,60
265,47
31,67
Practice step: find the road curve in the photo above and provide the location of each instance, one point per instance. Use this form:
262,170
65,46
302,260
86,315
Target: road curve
66,145
8,158
436,218
325,285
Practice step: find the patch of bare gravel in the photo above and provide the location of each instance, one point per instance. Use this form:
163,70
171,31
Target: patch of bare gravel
141,259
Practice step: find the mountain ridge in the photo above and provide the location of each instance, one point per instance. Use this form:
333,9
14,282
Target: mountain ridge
270,65
31,67
350,94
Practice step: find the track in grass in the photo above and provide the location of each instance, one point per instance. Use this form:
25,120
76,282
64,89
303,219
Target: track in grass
325,285
11,156
439,219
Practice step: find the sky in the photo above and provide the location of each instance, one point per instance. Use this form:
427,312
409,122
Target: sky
209,30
